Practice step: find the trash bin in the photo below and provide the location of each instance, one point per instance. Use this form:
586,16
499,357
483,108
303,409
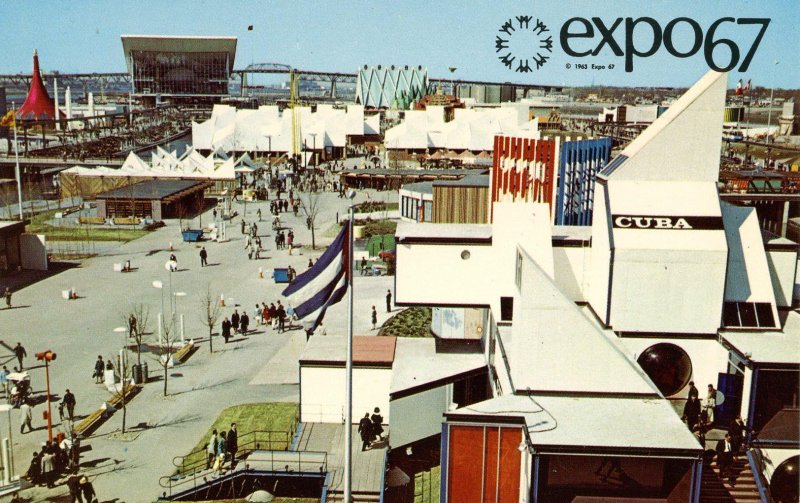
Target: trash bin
137,374
144,372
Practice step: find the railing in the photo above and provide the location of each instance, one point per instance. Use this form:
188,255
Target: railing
247,443
297,463
757,467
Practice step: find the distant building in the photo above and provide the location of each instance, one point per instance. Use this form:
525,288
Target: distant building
179,69
391,87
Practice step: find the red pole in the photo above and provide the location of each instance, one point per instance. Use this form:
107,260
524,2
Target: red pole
49,410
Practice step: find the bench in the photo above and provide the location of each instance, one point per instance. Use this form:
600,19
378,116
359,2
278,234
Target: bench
183,353
96,418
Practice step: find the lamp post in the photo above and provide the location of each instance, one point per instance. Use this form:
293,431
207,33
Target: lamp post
314,147
174,313
47,357
769,114
160,286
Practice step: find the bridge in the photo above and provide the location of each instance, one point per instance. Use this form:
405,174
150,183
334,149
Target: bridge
97,80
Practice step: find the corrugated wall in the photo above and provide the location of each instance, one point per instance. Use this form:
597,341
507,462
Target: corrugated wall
460,205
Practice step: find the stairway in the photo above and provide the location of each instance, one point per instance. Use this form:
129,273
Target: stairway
743,490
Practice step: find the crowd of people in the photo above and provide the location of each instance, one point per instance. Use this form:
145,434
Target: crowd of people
274,315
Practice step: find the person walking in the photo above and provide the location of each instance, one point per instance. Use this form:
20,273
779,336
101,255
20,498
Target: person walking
258,214
69,403
243,225
20,352
693,391
711,402
74,486
98,369
7,295
281,317
273,315
691,411
725,454
233,444
244,322
235,317
88,490
388,301
26,416
48,468
4,381
222,445
377,424
211,450
226,329
374,318
203,257
365,429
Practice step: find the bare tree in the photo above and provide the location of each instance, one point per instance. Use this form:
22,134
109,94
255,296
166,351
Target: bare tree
311,207
210,314
167,347
138,319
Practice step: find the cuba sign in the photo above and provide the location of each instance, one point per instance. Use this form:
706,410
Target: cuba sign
666,222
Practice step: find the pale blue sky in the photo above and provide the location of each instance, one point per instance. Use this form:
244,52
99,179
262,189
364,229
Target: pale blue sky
84,36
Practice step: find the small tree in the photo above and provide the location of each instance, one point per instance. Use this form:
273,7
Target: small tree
167,347
210,314
138,330
311,208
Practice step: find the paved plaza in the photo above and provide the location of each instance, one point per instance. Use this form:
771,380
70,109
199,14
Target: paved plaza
258,368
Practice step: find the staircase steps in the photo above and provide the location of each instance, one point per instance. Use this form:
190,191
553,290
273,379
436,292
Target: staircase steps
740,488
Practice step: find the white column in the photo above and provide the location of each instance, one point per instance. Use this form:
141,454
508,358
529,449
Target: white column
68,104
183,338
91,104
160,321
55,97
7,468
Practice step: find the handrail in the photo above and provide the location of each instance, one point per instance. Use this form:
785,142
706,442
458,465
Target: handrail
247,442
754,459
383,474
295,465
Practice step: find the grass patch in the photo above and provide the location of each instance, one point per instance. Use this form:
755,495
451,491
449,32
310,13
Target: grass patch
412,322
370,206
39,225
250,417
426,486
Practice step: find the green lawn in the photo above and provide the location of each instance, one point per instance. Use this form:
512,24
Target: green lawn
426,486
250,417
39,225
412,322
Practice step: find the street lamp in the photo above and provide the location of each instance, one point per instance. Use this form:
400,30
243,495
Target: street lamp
769,114
47,357
314,147
174,314
160,286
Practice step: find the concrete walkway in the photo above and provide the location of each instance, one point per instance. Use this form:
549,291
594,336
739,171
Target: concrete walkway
257,368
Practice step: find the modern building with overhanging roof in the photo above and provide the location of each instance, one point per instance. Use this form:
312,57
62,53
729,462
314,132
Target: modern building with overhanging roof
591,335
179,68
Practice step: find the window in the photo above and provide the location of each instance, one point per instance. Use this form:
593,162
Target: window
506,308
748,315
465,255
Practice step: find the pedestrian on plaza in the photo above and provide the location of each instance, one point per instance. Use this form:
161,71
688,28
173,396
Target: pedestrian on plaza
34,473
98,369
374,318
290,238
173,262
273,315
258,214
109,365
235,318
233,444
363,265
389,301
265,314
88,490
310,264
4,380
243,225
226,329
281,317
278,241
365,429
131,325
7,295
74,485
257,315
377,424
203,257
211,450
26,416
254,228
290,272
19,350
69,403
214,213
245,322
737,431
48,468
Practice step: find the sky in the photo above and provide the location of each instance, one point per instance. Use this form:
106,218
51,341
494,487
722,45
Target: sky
83,36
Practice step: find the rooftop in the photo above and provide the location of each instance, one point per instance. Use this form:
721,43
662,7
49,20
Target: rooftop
178,43
444,233
332,350
420,366
151,189
768,347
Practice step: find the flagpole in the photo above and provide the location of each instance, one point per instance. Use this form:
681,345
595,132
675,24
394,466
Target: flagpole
16,163
348,425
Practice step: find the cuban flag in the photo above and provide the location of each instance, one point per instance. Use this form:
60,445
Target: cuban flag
324,284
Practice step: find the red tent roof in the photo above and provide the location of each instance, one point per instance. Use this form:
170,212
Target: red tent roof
38,105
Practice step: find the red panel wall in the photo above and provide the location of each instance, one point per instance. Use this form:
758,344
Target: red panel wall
477,457
535,183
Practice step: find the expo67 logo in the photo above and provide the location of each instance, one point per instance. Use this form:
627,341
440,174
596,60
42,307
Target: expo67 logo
525,42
